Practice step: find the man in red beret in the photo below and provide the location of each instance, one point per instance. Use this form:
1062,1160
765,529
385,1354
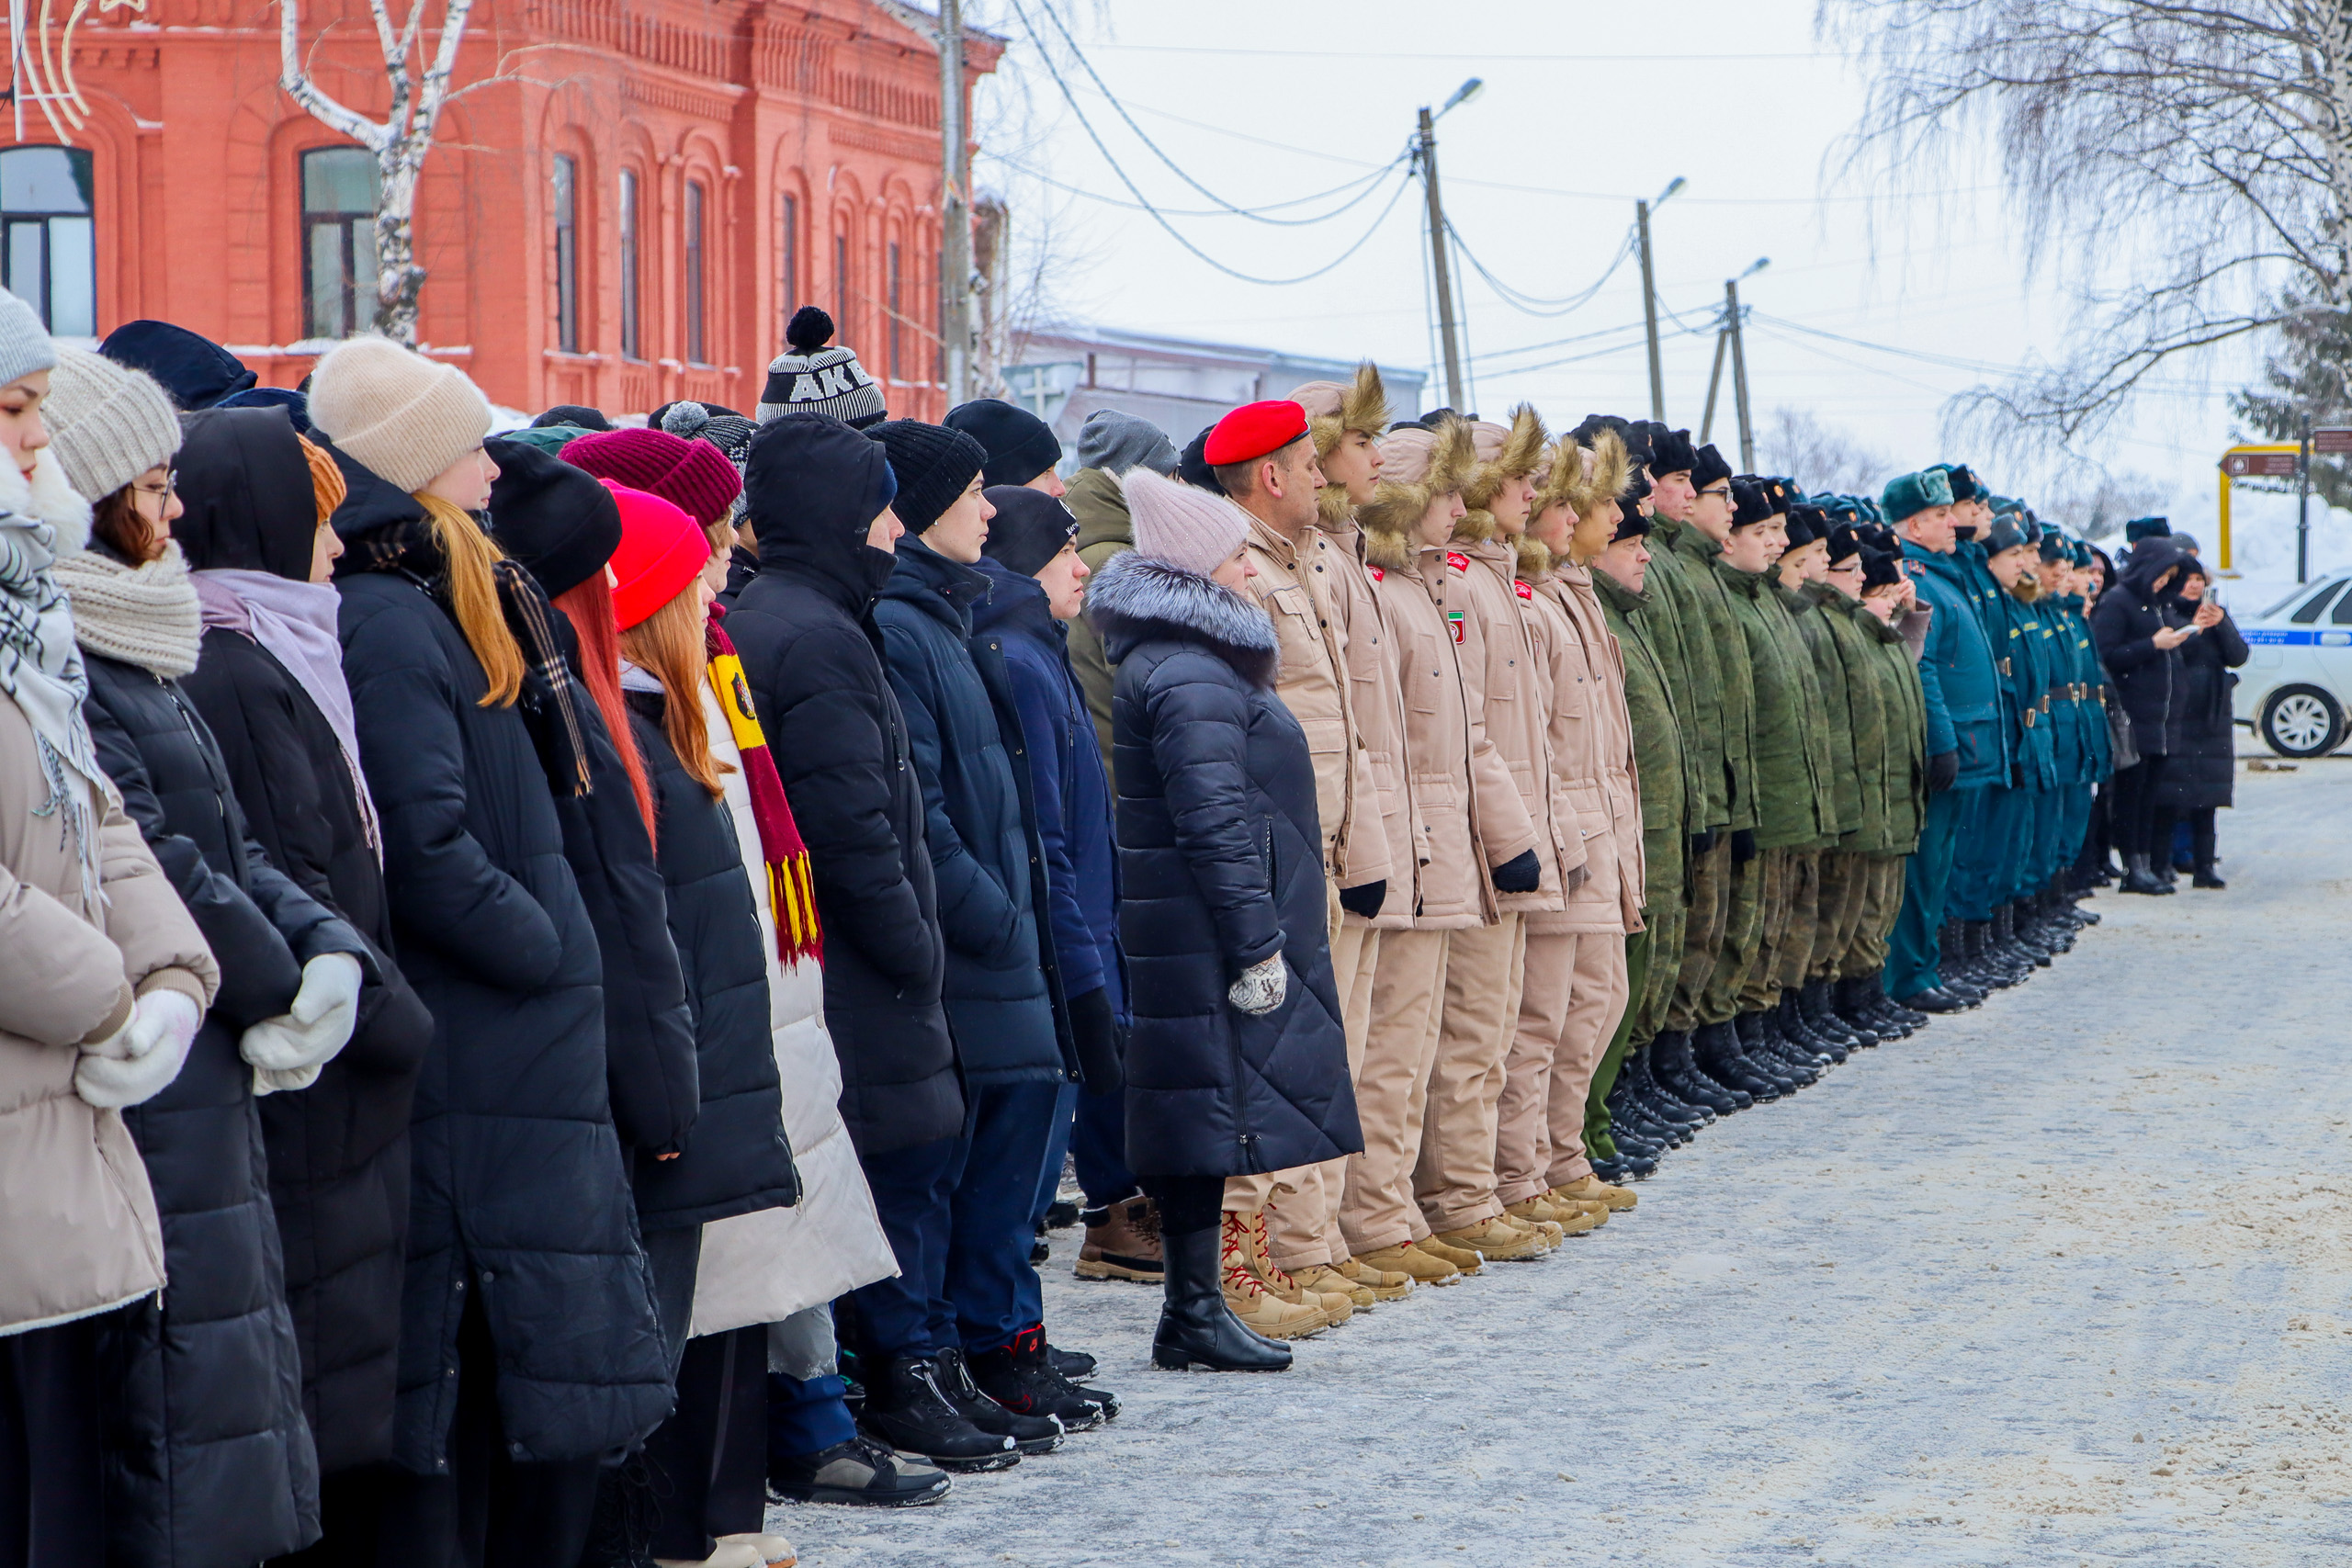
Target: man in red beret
1263,456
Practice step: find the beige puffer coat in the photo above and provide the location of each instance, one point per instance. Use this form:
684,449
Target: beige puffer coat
78,1230
1314,684
1500,679
1593,778
1377,700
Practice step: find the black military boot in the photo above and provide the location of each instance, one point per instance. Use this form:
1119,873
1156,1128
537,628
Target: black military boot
1763,1042
1672,1062
1860,1001
1993,964
1715,1047
1646,1105
1874,986
2139,878
1952,966
1819,1044
1679,1107
1819,1009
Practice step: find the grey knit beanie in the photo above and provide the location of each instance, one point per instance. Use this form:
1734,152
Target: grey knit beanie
24,341
108,424
1180,525
1115,442
395,412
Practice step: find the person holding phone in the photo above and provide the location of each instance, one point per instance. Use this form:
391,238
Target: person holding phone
2201,771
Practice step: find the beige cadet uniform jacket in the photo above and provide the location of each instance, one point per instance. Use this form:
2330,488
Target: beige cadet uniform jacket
1450,888
1314,684
1498,680
1593,778
1376,698
78,1228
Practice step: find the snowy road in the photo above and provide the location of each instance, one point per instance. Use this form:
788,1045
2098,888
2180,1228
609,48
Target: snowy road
2066,1280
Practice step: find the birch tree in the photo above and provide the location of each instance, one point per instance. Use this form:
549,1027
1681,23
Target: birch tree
2185,165
400,140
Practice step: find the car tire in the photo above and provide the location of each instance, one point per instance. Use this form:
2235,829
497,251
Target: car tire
2300,721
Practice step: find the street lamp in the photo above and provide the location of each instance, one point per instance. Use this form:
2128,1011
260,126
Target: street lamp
1465,93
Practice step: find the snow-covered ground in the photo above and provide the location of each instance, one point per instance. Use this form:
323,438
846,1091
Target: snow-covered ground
2064,1280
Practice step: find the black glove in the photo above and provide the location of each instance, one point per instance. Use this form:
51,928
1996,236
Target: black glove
1701,842
1521,873
1942,769
1096,1030
1743,846
1364,902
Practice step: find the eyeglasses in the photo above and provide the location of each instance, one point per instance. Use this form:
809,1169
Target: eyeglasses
1721,489
170,488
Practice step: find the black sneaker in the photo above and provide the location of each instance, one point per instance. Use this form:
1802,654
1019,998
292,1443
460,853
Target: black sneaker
861,1473
1030,1434
1061,1215
1071,1364
1022,1377
908,1408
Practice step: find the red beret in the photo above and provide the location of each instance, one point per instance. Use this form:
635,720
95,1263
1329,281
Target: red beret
1253,430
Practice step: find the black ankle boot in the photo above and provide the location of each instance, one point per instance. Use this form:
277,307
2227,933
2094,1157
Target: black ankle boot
1826,1036
1672,1061
2139,878
1195,1329
907,1407
2206,877
1652,1091
1817,1004
1716,1048
1765,1039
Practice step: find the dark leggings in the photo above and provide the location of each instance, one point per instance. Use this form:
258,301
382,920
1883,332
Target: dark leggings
2200,836
2138,825
1187,1204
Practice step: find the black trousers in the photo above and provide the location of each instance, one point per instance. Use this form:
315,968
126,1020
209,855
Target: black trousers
53,1512
490,1510
2200,836
1187,1204
2138,825
707,1463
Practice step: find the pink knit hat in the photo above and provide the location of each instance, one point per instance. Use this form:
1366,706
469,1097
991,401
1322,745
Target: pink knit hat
1181,526
692,476
661,550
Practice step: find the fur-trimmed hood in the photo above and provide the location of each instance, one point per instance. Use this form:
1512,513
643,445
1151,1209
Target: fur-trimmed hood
1583,477
1503,453
1135,598
1420,465
1534,559
1332,411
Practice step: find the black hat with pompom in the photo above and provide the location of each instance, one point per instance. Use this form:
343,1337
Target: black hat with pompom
810,377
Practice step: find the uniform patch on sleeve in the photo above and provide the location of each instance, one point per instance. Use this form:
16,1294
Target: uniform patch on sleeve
1379,573
1457,561
1524,590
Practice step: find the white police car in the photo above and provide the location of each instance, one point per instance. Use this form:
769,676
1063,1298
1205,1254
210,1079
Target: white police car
2296,687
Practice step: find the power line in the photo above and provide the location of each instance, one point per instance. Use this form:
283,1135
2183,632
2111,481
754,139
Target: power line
1535,305
1368,182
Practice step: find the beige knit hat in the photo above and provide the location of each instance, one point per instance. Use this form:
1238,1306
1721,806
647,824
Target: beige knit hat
1181,526
108,424
396,411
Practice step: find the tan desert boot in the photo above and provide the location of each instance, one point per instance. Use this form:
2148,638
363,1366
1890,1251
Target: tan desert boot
1540,1217
1590,1189
1383,1284
1248,1234
1496,1240
1461,1258
1324,1280
1421,1267
1248,1299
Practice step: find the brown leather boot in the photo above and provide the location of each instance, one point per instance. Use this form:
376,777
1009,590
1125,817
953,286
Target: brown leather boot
1122,1242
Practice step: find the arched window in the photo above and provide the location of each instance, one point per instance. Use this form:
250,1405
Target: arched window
50,259
338,240
567,255
632,343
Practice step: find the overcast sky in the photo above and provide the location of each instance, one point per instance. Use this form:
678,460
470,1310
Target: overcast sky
1586,108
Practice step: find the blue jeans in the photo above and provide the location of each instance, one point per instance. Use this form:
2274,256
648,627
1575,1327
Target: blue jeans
913,1194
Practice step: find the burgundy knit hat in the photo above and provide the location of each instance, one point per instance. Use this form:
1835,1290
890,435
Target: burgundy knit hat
692,476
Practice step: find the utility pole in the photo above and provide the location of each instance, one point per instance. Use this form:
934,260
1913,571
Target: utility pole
2303,506
955,210
1739,375
1649,311
1437,260
1714,380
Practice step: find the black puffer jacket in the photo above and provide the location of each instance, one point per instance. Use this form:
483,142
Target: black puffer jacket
560,523
979,823
338,1150
1221,863
805,629
737,1159
517,1181
209,1459
2148,679
2201,769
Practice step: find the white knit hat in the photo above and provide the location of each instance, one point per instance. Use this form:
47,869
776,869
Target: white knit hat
1181,526
395,412
108,424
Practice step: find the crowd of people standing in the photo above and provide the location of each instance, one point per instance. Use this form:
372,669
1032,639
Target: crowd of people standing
548,981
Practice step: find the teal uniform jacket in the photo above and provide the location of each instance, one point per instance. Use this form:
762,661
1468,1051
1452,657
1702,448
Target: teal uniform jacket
1959,682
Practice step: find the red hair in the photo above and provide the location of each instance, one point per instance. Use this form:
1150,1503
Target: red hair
589,606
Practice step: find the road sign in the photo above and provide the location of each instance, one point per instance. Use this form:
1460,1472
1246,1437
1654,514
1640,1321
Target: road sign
2264,465
2331,442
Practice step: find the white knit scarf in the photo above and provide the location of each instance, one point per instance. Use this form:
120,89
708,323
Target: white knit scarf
41,519
147,616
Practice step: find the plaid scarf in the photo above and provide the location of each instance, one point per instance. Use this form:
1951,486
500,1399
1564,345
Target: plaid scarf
549,700
792,888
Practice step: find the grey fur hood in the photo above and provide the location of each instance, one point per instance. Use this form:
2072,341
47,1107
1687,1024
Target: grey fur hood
1135,599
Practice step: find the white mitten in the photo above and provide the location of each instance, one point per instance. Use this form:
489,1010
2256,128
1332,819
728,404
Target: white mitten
1261,988
1572,880
163,1027
287,1052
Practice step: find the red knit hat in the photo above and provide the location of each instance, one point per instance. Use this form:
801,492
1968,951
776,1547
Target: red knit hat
661,550
692,476
1254,430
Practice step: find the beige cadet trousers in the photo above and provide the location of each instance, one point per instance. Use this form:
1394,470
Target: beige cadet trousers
1376,1209
1453,1182
1568,1007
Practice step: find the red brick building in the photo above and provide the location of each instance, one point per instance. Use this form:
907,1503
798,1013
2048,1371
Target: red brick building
625,201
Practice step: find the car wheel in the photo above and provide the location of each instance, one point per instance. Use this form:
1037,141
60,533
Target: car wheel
2301,721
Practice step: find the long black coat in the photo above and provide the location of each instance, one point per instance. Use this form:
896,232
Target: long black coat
2148,679
516,1186
737,1159
338,1150
979,823
804,628
2201,769
207,1457
1221,861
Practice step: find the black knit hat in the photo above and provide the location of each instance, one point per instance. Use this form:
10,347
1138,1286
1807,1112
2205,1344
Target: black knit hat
1707,467
1671,452
1018,444
1844,542
1808,523
1748,505
1192,464
1878,568
933,465
1632,526
1029,529
578,414
1637,489
1965,485
558,521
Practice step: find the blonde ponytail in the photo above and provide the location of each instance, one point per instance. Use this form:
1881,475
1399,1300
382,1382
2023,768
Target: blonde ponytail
470,555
